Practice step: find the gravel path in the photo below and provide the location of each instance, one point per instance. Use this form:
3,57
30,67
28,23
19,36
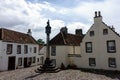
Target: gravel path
29,74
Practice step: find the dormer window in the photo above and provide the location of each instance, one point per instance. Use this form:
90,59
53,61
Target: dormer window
91,33
105,31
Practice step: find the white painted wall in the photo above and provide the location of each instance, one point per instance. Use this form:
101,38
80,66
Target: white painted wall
62,54
4,56
99,47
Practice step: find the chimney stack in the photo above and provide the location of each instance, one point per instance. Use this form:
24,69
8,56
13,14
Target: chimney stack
64,30
29,32
79,32
98,17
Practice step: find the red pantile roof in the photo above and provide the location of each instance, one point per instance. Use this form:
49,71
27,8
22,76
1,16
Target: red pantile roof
66,39
16,37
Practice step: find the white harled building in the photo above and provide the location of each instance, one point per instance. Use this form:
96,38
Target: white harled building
100,47
17,50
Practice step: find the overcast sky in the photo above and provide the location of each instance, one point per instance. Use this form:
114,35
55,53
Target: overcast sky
21,15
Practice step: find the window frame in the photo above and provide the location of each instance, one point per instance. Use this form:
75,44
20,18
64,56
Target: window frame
25,49
93,64
105,31
53,61
92,33
53,50
35,50
88,51
20,61
9,48
18,49
112,65
114,47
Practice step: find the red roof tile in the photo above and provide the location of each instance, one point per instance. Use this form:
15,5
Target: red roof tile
66,39
15,37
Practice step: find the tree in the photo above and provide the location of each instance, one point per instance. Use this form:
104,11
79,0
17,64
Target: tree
40,41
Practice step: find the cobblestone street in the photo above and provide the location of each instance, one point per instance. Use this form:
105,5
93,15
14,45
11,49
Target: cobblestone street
29,74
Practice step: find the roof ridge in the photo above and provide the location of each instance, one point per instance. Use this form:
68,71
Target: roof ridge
13,31
19,37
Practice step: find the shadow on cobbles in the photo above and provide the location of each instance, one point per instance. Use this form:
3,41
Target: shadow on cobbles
32,76
107,73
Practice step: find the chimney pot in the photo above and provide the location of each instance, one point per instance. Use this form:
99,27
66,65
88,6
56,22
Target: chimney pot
99,13
95,13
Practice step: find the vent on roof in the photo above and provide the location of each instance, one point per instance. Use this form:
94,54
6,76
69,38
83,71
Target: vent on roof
113,28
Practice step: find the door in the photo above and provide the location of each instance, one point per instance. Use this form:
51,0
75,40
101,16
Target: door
25,62
11,63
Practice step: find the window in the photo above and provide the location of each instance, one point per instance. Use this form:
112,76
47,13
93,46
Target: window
29,61
25,49
19,61
92,62
37,59
112,62
18,49
9,49
53,50
88,47
91,33
53,61
105,31
34,59
111,46
35,50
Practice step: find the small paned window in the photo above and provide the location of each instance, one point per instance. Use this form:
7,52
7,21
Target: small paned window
111,46
112,62
18,49
88,47
105,31
53,50
53,62
9,48
35,50
25,49
92,62
19,61
92,33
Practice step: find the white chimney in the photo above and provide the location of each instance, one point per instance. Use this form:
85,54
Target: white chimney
98,17
29,32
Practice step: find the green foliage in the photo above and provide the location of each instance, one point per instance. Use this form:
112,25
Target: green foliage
40,41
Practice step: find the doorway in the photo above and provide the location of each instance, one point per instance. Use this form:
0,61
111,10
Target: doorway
25,62
11,63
